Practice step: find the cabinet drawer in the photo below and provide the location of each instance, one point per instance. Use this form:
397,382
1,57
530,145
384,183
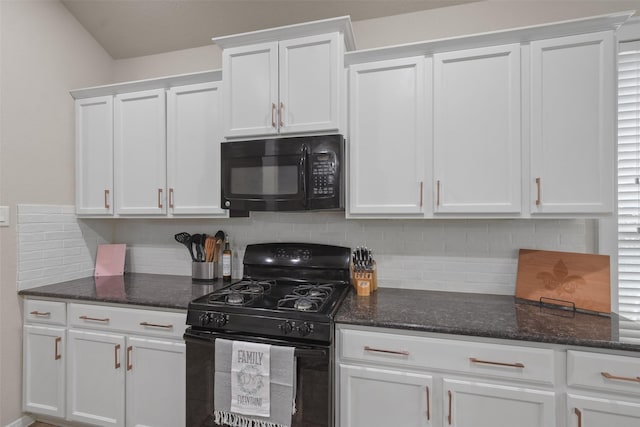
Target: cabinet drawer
129,320
489,360
603,372
50,312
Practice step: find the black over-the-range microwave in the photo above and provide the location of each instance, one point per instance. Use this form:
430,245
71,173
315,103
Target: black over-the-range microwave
283,174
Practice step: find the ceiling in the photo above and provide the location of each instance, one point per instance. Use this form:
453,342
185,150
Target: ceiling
130,28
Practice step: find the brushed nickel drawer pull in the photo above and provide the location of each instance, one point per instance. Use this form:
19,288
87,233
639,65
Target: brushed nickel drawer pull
155,325
488,362
129,362
160,198
449,416
106,199
421,188
579,415
538,185
171,198
117,355
438,193
378,350
57,348
280,119
41,313
94,319
615,377
428,405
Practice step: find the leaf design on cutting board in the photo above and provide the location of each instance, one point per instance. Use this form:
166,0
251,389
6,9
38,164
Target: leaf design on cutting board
559,279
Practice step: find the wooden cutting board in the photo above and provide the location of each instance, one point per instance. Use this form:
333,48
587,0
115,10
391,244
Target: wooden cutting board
583,279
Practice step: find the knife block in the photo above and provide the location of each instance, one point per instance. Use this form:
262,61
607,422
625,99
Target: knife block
365,281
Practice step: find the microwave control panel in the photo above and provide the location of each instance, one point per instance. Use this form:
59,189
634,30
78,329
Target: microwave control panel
323,175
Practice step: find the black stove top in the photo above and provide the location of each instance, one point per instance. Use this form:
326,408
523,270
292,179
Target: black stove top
292,291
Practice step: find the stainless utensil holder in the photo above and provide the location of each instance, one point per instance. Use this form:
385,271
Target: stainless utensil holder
204,270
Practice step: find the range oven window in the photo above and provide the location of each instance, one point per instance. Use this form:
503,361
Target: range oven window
265,180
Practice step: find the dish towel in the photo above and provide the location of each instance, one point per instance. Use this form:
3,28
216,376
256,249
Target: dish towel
254,384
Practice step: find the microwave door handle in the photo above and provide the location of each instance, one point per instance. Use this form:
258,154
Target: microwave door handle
303,173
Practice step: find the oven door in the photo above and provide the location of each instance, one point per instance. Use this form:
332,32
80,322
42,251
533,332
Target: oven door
264,175
314,379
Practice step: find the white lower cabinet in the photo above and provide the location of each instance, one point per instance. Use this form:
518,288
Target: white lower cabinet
44,359
387,377
477,404
104,365
373,396
606,412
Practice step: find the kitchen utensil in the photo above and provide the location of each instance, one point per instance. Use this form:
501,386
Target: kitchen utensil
199,244
220,235
185,239
565,278
209,247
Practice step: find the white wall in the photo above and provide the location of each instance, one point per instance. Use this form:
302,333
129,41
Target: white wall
45,52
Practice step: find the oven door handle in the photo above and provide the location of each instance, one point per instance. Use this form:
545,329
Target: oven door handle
310,352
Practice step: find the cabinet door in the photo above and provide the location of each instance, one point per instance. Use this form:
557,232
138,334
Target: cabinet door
94,156
468,403
43,370
309,84
573,124
477,130
598,412
95,383
155,383
381,397
250,90
387,124
140,153
193,149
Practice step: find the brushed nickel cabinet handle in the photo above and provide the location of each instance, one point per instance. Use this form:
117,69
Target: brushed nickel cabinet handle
273,115
129,362
615,377
94,319
379,350
57,354
171,198
160,198
428,404
539,198
106,199
280,119
117,355
488,362
155,325
579,415
41,313
449,415
438,193
421,188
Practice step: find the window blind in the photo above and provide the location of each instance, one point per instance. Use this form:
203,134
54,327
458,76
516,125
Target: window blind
629,190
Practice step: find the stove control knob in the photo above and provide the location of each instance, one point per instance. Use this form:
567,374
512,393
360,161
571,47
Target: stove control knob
220,320
305,329
286,327
205,319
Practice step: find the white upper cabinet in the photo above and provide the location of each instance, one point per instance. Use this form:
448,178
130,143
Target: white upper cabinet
193,149
476,146
285,80
573,124
140,153
251,90
387,122
94,156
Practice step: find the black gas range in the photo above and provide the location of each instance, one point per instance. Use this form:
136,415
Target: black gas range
288,297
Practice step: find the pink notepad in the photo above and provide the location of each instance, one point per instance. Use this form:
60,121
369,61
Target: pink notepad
110,260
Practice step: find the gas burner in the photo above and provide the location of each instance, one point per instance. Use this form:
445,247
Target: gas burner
242,293
303,304
313,290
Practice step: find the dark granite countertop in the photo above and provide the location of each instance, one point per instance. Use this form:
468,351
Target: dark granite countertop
481,315
154,290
